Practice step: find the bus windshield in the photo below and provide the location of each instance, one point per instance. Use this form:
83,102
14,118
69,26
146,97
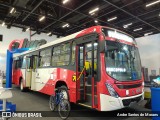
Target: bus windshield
122,61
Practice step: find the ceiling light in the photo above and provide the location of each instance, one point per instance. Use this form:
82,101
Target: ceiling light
27,29
11,11
42,18
152,3
66,25
159,14
137,29
49,33
94,10
111,19
3,23
65,1
127,25
148,33
92,13
96,21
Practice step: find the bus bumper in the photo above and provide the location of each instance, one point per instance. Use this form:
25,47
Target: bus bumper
109,103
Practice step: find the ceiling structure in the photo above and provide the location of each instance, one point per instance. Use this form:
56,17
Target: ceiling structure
64,17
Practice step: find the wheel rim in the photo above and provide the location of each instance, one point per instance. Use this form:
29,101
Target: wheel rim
65,95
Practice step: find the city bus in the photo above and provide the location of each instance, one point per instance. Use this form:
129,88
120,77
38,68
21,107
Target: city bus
98,67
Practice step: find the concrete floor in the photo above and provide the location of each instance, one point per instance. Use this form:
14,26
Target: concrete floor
34,101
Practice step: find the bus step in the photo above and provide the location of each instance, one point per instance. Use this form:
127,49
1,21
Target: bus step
88,99
86,105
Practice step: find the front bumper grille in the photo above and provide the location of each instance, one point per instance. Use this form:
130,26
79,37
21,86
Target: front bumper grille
126,102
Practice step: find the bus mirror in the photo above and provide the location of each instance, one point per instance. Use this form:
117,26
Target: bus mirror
102,46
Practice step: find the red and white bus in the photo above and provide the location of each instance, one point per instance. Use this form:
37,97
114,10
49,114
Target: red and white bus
98,67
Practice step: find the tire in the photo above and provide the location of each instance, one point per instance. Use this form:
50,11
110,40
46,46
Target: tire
64,109
65,92
52,104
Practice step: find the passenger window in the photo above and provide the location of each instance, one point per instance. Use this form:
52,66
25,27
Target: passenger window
61,55
24,63
45,58
73,52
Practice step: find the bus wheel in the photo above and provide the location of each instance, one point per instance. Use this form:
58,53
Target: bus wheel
64,90
21,86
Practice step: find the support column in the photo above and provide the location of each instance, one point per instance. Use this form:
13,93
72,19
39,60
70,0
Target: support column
9,69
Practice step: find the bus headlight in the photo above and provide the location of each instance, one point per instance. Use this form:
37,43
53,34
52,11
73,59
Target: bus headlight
111,91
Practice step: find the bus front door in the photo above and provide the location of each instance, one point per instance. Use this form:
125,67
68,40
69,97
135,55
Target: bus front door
85,74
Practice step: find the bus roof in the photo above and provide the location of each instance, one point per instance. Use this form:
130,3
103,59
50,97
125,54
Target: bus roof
67,38
63,39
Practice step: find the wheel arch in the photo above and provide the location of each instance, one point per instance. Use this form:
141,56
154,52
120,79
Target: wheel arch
60,83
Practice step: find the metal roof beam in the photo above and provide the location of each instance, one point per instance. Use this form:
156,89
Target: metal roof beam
105,21
33,10
24,10
138,15
66,14
155,21
103,15
132,15
120,7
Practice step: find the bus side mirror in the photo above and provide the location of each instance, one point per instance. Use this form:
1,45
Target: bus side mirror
102,46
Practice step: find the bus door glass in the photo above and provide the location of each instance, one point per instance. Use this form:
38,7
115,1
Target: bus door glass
86,72
34,70
28,71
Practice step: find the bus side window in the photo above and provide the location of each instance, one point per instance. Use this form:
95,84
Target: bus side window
65,54
28,63
17,63
45,57
61,55
24,63
55,57
73,52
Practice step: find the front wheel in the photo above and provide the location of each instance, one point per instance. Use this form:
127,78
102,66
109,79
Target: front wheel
64,109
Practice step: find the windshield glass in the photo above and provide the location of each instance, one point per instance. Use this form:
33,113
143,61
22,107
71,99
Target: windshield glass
122,61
